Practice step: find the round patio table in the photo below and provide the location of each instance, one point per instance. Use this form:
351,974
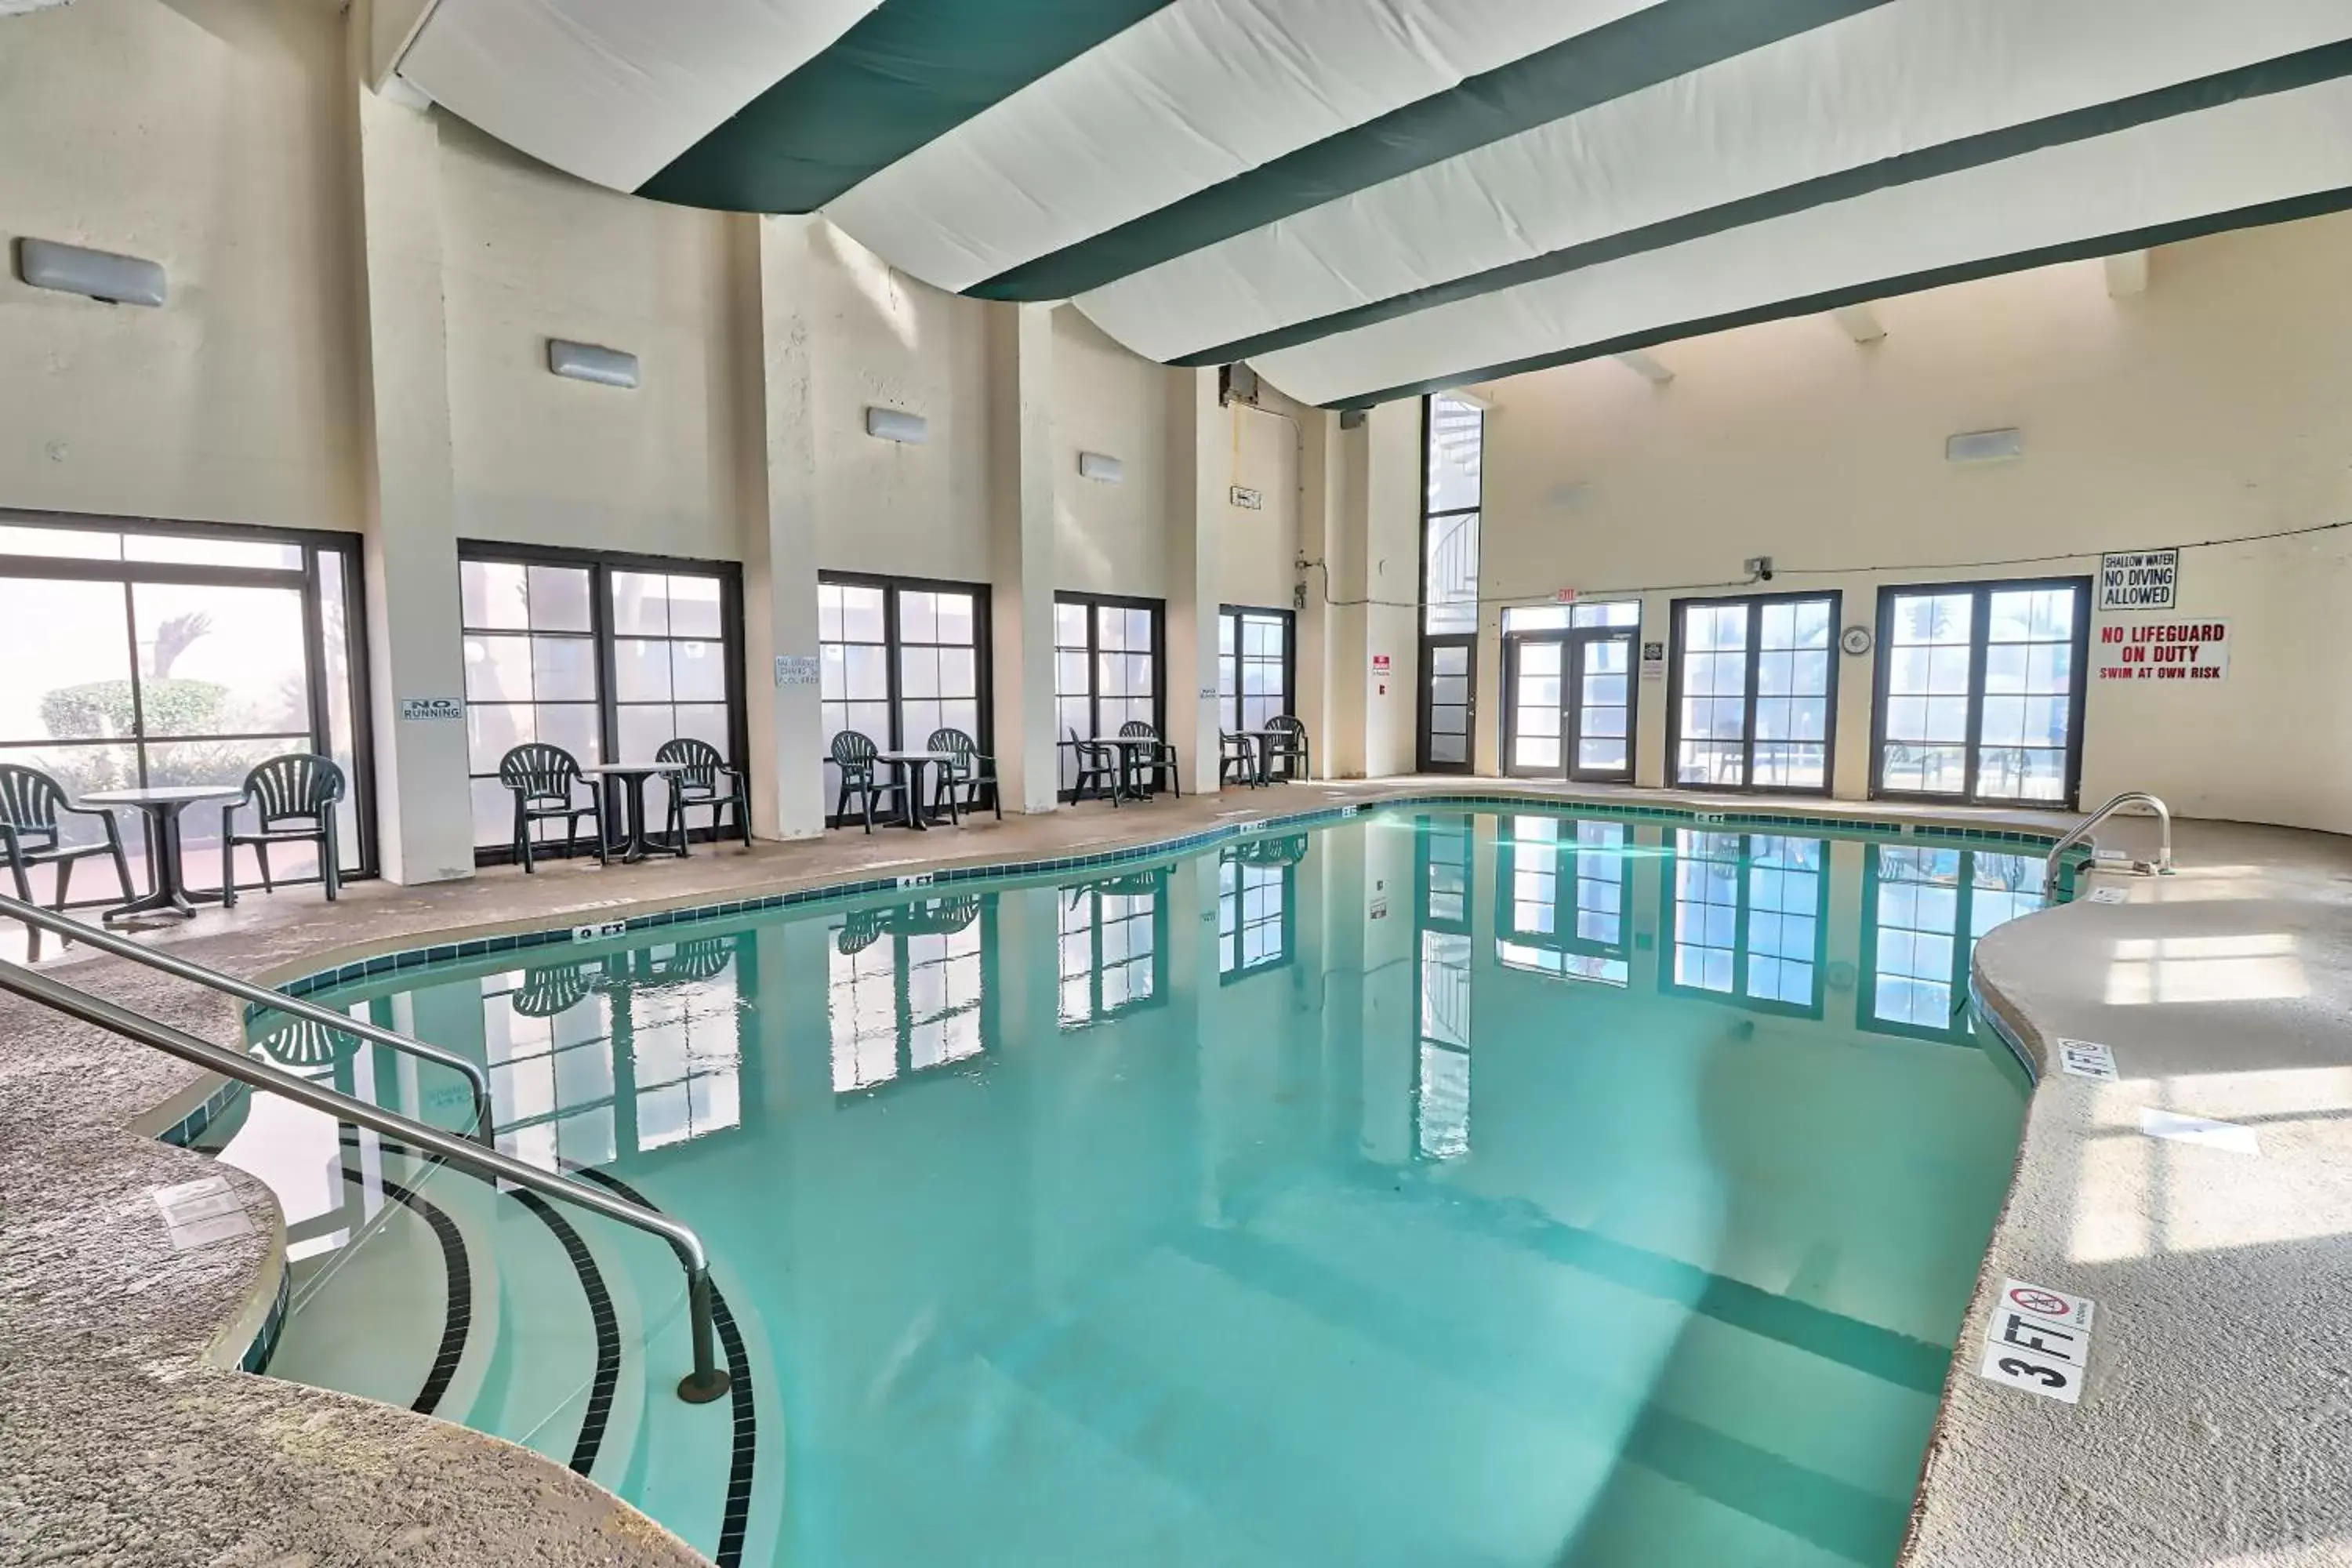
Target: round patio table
635,842
161,805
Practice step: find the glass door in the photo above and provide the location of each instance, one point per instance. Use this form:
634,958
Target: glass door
1978,697
1753,704
1571,705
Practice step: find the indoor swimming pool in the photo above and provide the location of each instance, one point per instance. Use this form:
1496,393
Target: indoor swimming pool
1436,1187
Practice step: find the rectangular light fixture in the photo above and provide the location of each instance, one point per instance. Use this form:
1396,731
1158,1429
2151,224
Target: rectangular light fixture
1984,445
897,424
586,362
100,274
1101,465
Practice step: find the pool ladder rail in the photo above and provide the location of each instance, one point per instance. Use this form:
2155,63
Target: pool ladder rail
706,1382
2159,866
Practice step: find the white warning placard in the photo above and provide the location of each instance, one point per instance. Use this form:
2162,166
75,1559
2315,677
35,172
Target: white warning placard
2038,1340
2086,1058
2140,580
2190,648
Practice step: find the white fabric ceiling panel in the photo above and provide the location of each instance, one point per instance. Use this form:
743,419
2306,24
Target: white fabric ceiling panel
612,90
2238,155
1886,81
1193,95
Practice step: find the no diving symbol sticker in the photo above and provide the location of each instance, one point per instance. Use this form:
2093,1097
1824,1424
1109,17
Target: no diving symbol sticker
2038,1340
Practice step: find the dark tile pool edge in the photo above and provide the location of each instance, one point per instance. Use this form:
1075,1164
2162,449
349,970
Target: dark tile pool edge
1157,848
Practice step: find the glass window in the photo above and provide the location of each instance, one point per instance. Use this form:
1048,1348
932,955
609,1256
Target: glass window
146,659
899,658
1457,432
1750,917
1254,910
1252,667
1113,947
1756,686
670,665
1106,669
1978,688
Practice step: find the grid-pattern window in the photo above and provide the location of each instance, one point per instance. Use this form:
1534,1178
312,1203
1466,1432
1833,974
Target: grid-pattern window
1453,463
1538,714
1594,615
1252,667
1755,683
1979,691
1106,668
899,658
669,668
1749,918
141,655
1253,916
608,658
1440,984
1923,911
1112,949
905,1000
530,676
1539,857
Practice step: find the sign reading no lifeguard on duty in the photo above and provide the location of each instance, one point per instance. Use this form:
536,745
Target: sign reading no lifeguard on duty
2167,648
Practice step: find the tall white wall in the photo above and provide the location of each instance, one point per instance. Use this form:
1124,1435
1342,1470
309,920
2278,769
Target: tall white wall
2216,404
1108,536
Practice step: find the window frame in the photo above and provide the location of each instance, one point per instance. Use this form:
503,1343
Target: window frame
1982,590
904,1022
1426,923
1670,938
1425,640
1567,852
1677,622
601,564
306,579
1093,893
1157,609
1231,709
1573,640
983,672
1285,921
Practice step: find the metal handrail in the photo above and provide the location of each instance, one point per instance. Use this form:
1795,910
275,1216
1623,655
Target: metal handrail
476,1075
706,1383
2082,830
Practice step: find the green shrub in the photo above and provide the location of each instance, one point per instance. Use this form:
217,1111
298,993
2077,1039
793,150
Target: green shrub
100,709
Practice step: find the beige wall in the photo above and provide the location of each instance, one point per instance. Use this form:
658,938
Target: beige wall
1257,552
529,256
2217,404
218,148
1108,537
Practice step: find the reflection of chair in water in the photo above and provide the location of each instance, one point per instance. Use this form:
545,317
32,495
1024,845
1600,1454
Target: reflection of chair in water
301,1042
861,930
704,958
936,917
545,993
1288,851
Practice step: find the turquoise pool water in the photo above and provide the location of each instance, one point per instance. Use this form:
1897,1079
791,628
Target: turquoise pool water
1433,1188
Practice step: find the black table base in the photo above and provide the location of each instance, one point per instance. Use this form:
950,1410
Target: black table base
171,895
636,844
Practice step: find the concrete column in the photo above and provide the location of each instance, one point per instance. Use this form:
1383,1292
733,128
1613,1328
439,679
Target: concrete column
1196,429
1339,587
772,261
424,807
1319,515
1022,573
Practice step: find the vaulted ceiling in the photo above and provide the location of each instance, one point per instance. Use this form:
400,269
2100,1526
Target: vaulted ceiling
1368,199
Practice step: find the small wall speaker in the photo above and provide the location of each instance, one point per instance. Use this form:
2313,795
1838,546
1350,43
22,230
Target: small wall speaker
1984,445
1102,466
586,362
897,424
100,274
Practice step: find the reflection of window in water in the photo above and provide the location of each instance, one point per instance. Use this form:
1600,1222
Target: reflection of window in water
1924,909
906,989
1110,947
1751,917
1539,857
1254,903
1441,983
639,1050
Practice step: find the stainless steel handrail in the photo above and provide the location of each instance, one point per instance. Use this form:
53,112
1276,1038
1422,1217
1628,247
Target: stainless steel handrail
2082,830
476,1075
706,1383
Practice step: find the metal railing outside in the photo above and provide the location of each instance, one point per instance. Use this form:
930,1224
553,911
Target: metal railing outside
706,1382
2082,830
476,1076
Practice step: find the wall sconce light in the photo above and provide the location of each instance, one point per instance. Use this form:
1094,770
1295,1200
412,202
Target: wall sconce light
897,424
586,362
1984,445
100,274
1102,466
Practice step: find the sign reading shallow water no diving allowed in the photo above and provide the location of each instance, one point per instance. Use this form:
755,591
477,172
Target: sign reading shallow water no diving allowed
2140,580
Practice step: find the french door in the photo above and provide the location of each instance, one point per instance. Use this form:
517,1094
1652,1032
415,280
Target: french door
1753,701
1570,708
1979,695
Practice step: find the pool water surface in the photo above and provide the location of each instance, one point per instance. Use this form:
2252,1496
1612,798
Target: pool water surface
1434,1188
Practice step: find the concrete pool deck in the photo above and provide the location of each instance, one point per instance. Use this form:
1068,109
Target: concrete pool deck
2211,1431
